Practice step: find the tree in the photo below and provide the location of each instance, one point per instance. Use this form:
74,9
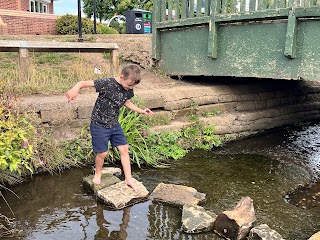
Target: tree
105,9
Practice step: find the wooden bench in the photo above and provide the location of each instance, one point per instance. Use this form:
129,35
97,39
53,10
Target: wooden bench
23,48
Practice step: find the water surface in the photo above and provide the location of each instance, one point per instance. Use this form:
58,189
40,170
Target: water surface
267,168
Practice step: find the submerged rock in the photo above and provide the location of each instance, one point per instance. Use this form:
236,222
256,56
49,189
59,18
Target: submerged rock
264,232
177,195
196,219
113,171
106,180
315,236
120,195
236,224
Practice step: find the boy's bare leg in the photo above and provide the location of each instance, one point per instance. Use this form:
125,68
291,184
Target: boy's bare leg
99,164
125,161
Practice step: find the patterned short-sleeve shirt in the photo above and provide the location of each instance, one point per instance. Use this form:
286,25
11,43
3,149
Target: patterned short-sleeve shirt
111,98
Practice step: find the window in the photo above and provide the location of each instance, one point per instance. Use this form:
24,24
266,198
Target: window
39,6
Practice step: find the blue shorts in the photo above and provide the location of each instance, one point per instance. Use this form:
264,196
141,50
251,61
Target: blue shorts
101,137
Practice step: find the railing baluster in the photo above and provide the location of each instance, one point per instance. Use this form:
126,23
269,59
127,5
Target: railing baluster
199,8
252,5
207,7
177,8
163,10
170,9
223,6
242,6
191,8
184,9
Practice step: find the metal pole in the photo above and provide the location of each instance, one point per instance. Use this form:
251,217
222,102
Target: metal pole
95,16
80,39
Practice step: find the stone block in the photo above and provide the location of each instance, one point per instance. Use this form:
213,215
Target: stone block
177,195
120,195
85,112
196,219
107,180
58,115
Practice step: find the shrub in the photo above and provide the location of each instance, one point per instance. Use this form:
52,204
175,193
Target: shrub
104,29
68,25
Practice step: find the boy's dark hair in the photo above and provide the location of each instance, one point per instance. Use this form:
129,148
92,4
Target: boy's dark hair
133,72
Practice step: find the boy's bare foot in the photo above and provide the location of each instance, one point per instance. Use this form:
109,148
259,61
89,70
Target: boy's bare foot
131,183
96,179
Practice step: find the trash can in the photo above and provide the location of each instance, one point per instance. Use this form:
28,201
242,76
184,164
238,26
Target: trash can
138,22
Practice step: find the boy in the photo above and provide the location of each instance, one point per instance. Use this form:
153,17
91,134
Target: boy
104,126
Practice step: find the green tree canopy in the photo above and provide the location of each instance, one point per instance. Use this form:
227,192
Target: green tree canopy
105,9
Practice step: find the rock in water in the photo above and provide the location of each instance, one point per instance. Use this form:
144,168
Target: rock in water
237,223
196,219
106,180
120,195
177,195
264,232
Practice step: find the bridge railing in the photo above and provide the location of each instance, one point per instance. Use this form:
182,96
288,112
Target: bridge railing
170,14
169,10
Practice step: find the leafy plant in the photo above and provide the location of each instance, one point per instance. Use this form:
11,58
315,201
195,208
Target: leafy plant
133,128
16,133
165,145
199,136
79,150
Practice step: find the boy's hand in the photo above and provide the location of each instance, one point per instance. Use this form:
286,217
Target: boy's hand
72,94
147,111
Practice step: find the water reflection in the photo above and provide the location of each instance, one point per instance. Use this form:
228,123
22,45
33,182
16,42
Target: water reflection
305,143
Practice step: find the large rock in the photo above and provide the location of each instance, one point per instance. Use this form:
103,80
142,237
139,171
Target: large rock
106,180
237,223
112,170
315,236
264,232
196,219
120,195
177,195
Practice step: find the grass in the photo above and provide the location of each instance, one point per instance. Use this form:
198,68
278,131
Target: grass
51,73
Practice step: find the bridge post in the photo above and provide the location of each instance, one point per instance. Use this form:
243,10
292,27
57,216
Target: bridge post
156,17
213,28
114,62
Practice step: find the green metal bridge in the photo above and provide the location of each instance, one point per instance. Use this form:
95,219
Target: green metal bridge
277,39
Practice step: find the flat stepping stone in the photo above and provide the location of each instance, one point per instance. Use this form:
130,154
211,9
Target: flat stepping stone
107,180
177,195
120,195
196,219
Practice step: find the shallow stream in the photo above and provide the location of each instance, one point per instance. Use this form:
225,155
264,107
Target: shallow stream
268,168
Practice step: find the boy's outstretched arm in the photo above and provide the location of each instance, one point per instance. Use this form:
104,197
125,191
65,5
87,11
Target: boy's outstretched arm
72,94
133,107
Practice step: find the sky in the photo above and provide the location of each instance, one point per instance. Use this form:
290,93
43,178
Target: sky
63,7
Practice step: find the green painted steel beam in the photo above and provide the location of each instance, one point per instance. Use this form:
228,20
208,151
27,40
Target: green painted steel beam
291,37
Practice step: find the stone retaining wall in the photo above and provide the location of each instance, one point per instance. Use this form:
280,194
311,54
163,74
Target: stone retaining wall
236,109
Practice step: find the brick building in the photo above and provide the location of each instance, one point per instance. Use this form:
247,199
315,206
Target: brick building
27,17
